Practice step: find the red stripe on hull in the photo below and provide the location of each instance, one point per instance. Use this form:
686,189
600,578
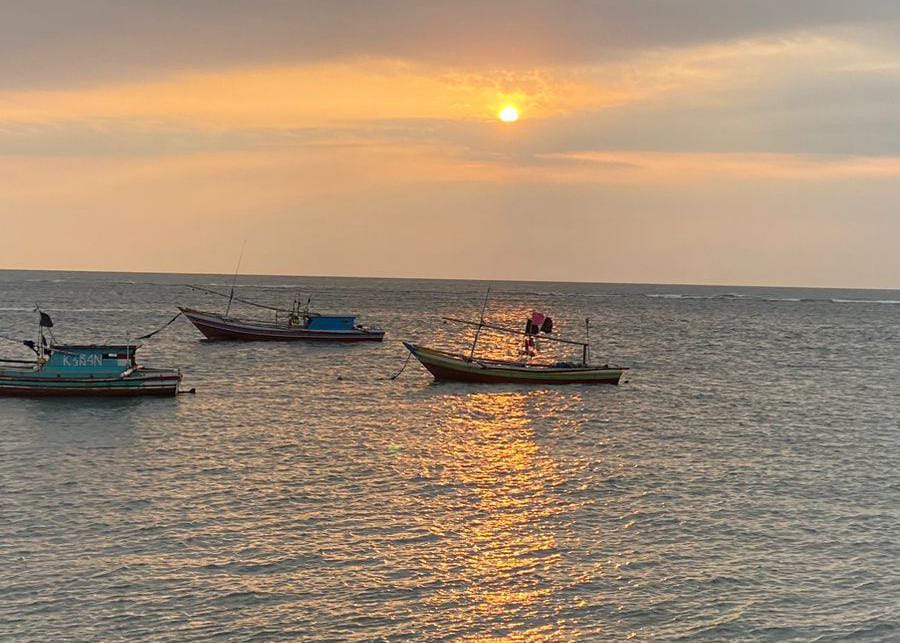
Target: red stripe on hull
442,373
234,334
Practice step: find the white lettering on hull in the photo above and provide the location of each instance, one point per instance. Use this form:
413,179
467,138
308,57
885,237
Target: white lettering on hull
82,360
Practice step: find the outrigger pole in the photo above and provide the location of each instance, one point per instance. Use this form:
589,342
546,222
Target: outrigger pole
512,331
243,301
480,323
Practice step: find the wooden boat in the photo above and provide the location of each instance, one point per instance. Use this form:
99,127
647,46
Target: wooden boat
306,327
289,324
444,365
87,370
462,368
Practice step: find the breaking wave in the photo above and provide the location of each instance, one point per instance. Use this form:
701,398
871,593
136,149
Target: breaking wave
740,297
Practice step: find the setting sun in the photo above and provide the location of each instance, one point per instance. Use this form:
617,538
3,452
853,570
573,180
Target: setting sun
509,114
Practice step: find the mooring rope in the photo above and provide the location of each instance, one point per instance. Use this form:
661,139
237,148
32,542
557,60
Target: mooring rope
161,328
397,374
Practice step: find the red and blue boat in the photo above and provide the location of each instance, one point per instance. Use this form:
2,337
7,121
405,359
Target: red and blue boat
288,325
311,327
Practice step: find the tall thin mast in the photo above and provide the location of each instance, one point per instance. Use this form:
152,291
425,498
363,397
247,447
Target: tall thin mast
234,281
40,350
480,323
587,346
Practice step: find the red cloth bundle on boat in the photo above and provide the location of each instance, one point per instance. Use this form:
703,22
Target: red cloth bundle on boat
539,323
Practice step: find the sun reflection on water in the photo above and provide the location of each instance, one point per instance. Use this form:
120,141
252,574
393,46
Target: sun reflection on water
505,538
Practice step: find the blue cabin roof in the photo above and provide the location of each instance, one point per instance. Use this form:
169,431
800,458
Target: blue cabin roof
330,322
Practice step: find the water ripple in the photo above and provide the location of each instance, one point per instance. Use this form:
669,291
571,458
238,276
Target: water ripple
743,485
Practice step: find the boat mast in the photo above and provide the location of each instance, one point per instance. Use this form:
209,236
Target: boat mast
234,281
40,350
586,349
480,324
44,321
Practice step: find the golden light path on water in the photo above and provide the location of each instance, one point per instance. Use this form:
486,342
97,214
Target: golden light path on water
503,540
489,447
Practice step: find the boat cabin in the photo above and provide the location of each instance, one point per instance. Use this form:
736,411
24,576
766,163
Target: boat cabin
74,360
316,321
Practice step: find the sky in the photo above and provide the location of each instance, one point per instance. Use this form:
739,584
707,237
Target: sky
667,141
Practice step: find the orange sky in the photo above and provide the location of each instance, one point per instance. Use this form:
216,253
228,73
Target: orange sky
762,148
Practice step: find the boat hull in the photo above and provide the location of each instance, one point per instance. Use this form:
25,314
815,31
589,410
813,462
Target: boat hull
164,385
447,366
217,327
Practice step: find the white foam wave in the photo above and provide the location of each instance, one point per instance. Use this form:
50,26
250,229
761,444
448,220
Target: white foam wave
889,302
736,296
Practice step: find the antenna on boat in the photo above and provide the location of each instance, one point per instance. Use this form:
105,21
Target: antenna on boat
480,323
234,281
586,354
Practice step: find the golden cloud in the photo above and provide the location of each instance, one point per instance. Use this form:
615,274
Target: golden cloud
312,95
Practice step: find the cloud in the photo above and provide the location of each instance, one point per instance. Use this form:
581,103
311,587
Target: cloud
390,212
659,168
46,43
810,94
694,141
314,95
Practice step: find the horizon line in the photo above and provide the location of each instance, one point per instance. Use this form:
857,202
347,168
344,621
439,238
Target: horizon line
473,279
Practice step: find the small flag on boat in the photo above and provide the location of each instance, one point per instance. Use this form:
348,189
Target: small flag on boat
46,322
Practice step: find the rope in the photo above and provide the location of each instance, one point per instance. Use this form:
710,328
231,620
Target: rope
161,328
395,376
243,301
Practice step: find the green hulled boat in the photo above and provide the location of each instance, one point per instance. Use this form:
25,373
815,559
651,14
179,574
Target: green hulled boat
462,368
444,365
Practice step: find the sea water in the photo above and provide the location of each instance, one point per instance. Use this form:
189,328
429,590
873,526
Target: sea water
742,483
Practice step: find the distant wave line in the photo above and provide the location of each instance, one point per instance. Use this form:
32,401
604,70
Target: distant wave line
735,296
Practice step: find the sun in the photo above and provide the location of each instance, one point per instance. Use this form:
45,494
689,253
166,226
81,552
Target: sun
508,114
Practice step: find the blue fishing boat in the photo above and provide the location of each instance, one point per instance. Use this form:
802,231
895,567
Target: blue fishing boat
83,369
297,323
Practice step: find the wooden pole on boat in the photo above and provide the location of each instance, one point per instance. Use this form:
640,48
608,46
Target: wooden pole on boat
243,301
480,323
40,351
234,281
586,349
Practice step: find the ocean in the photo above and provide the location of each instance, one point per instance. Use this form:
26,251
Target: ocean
742,483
